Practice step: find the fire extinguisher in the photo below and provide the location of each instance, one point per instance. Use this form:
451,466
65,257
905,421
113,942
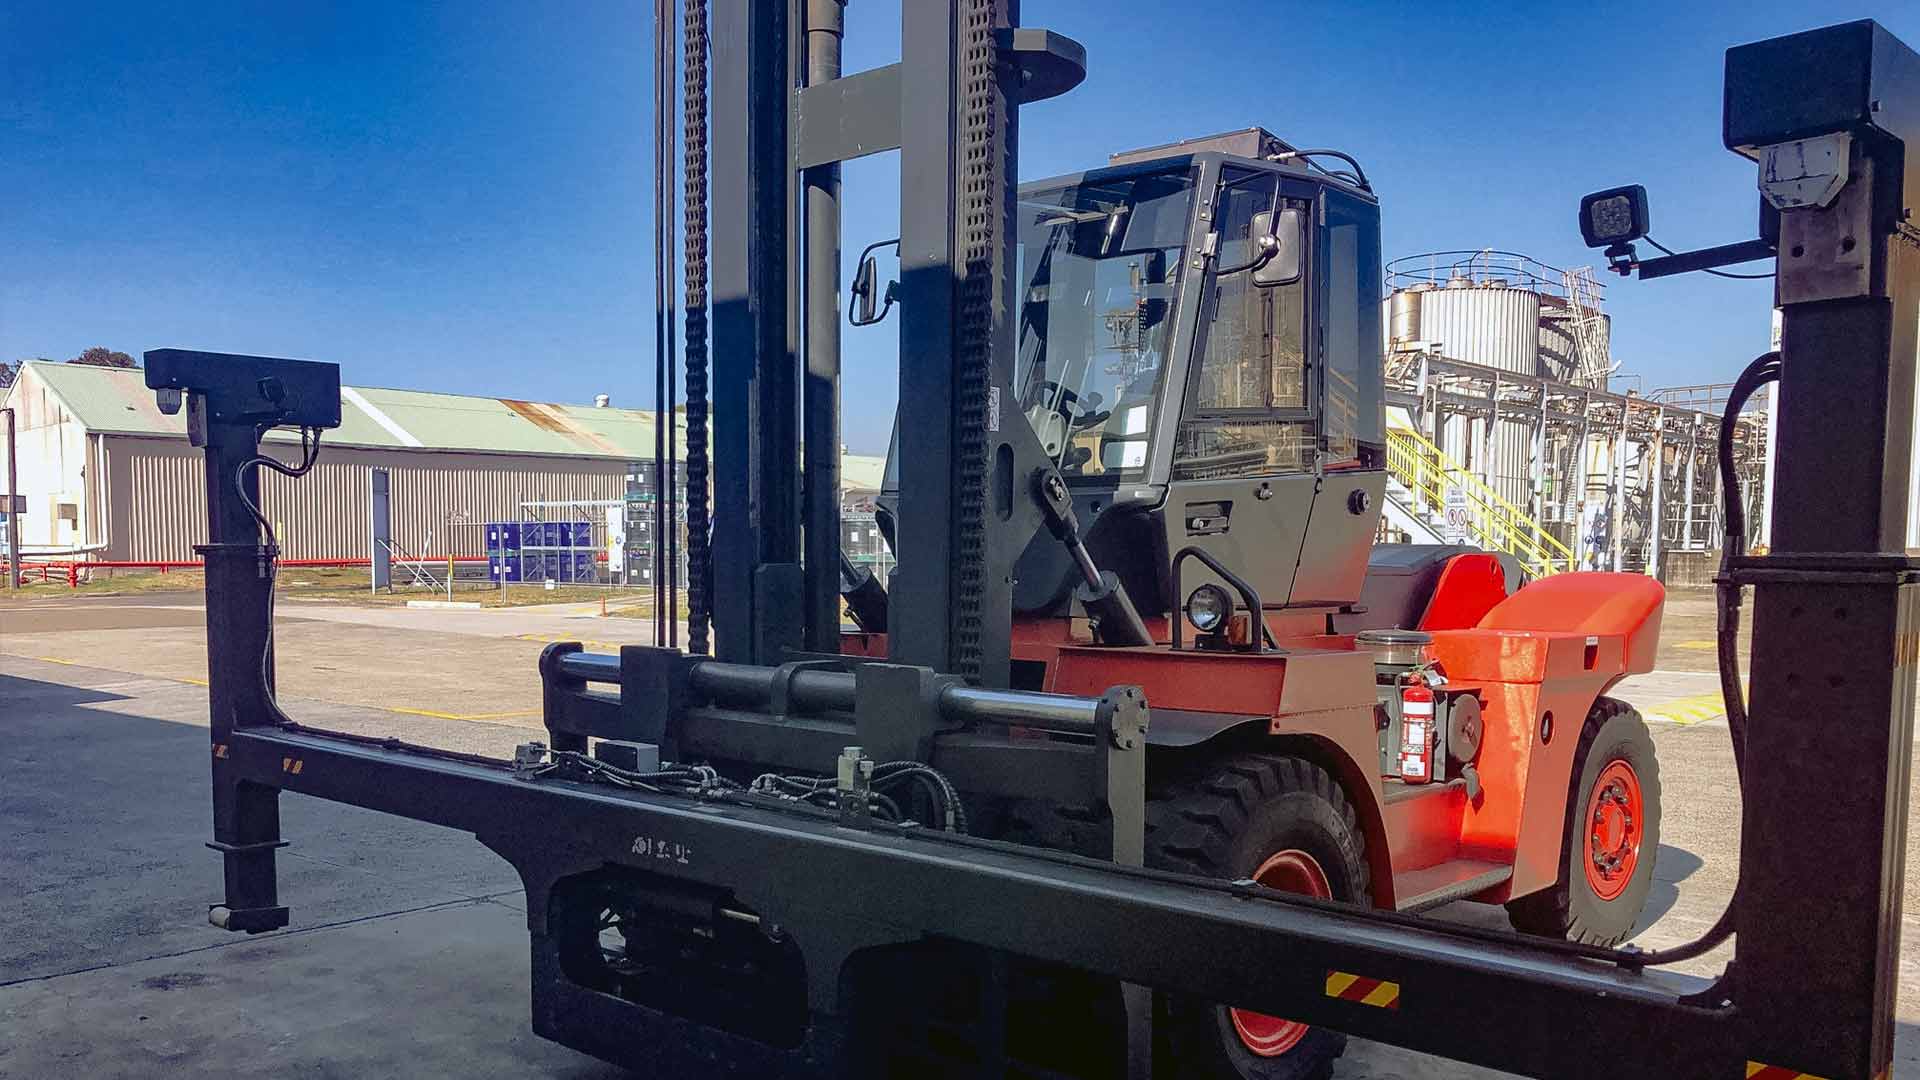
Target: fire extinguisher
1416,732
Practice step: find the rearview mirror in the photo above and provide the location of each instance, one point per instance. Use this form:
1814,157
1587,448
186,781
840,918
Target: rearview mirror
1285,238
865,289
863,297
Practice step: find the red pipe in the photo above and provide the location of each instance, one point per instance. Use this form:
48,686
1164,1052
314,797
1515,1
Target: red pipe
73,567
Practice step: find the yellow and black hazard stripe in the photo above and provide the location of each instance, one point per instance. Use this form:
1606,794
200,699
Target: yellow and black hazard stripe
1361,990
1760,1070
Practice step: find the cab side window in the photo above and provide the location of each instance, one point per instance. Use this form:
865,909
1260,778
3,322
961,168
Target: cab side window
1247,411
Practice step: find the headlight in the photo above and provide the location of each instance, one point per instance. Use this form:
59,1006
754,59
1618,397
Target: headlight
1208,608
1614,216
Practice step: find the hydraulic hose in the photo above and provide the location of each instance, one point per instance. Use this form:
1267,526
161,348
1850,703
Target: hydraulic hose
1727,593
1763,370
309,454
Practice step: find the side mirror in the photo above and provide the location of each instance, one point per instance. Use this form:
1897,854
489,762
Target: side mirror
863,297
1284,239
869,306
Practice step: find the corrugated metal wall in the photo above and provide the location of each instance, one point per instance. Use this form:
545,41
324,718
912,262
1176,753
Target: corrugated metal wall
156,497
1492,326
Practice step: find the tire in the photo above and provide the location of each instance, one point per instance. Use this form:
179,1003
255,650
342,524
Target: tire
1226,819
1593,903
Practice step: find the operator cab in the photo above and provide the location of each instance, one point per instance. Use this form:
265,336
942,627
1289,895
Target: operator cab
1198,351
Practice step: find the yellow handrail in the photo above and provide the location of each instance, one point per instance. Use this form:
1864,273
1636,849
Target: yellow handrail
1493,522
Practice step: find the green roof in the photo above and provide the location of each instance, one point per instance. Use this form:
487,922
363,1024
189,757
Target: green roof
116,401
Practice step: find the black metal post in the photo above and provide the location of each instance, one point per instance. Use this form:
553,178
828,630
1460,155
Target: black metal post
1835,613
820,277
951,594
919,619
239,572
756,542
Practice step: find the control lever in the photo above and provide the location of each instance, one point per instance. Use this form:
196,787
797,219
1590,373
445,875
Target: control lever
1115,620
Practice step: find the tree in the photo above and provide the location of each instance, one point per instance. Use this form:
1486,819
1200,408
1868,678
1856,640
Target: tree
11,372
99,356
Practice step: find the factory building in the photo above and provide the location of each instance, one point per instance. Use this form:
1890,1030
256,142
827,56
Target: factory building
105,473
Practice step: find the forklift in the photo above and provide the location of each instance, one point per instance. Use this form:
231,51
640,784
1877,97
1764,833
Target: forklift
1198,357
1106,783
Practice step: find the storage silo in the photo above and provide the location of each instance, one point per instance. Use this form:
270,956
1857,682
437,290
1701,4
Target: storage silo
1483,322
1560,354
1403,314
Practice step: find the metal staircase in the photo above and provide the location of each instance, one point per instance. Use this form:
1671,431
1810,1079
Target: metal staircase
1436,500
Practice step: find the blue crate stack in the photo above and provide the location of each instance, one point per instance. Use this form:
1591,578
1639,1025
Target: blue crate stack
503,550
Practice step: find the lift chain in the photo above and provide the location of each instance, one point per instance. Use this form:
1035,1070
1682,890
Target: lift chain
694,171
984,172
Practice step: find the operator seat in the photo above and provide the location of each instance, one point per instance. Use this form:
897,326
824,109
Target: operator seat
1402,582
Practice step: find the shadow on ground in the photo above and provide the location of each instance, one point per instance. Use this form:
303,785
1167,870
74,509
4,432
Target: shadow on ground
1673,866
107,812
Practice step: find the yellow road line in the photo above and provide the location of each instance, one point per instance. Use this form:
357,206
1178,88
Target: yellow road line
57,660
1689,710
1694,645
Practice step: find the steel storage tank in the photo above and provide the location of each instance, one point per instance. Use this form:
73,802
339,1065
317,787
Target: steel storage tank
1483,324
1403,317
1557,359
1602,331
1510,472
1557,346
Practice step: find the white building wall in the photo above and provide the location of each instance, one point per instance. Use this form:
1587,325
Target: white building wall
51,453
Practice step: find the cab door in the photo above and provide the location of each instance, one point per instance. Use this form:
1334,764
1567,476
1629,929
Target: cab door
1242,475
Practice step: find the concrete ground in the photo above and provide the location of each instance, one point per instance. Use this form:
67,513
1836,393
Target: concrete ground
408,952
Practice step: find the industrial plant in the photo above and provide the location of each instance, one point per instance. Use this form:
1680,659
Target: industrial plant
1512,425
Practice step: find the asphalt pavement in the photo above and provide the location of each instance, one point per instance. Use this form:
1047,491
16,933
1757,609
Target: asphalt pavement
408,952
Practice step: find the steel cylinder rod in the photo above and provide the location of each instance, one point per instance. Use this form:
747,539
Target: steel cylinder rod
814,690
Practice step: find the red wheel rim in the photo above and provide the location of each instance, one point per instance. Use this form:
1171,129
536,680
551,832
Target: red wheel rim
1291,871
1615,823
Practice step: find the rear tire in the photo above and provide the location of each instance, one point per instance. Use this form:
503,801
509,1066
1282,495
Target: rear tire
1611,837
1230,819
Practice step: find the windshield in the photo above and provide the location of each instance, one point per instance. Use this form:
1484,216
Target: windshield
1099,268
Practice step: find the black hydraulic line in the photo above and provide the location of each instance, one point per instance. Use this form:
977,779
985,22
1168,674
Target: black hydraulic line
1764,369
694,204
1679,262
309,454
1359,175
388,742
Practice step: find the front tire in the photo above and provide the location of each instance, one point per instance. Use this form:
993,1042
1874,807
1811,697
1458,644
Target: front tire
1282,821
1611,838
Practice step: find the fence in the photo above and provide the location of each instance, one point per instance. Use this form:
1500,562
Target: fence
74,571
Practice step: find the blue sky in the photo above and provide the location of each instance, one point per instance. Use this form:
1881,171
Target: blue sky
456,196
